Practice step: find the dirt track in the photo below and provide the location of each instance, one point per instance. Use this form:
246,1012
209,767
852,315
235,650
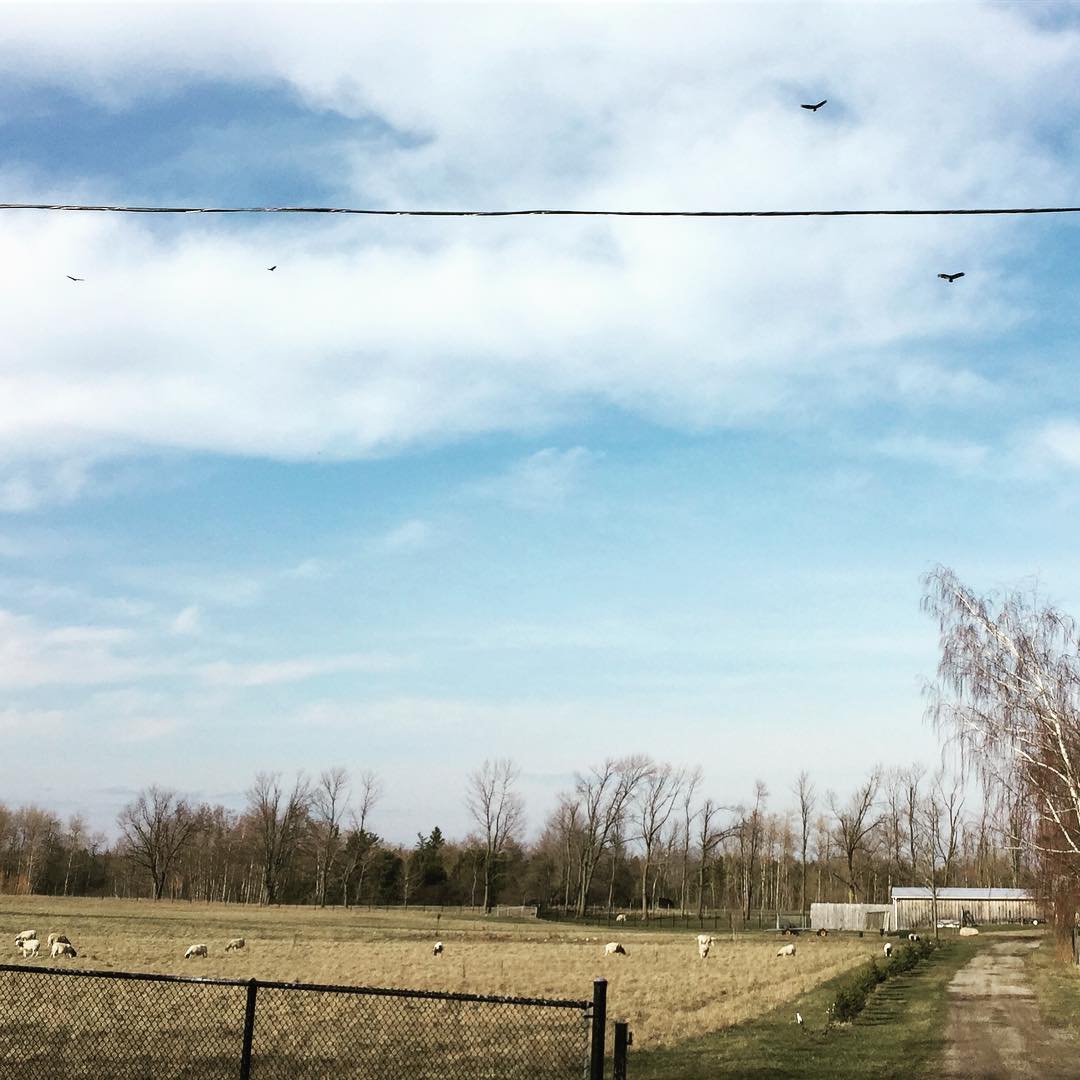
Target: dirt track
995,1031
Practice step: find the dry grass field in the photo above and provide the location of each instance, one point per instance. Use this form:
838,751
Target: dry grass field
666,992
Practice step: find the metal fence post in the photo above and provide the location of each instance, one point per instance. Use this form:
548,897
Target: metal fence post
622,1041
599,1025
249,1030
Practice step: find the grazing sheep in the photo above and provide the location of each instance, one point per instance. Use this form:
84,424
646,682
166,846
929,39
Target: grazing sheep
26,935
786,950
621,917
704,943
29,947
968,931
54,938
888,948
196,950
437,951
613,948
913,937
236,944
62,948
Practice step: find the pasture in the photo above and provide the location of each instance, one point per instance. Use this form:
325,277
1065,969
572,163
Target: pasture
661,987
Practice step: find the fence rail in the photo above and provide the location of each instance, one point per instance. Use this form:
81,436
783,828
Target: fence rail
70,1024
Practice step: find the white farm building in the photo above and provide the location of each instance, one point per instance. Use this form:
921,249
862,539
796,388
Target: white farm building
914,906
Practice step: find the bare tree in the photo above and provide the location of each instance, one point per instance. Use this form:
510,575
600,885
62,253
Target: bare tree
602,797
807,797
360,845
280,821
76,834
691,780
328,808
1008,693
657,797
912,778
754,828
855,823
154,829
948,814
499,813
710,837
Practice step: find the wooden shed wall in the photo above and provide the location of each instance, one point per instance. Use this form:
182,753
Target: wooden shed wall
912,913
851,917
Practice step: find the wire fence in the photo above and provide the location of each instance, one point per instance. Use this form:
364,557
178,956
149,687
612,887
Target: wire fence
716,920
70,1025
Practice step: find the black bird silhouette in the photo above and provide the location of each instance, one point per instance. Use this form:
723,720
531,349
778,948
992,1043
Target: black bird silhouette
814,108
950,278
274,267
70,278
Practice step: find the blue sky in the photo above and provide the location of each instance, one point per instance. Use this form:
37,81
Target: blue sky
436,491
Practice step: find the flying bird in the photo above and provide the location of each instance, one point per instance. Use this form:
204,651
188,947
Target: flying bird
814,108
274,267
70,278
950,278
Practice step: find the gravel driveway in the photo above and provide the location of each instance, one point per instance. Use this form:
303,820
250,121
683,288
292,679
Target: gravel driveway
995,1031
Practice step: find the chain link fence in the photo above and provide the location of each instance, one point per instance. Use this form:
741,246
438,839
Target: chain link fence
75,1025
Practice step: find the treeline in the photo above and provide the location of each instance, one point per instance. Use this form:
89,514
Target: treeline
632,832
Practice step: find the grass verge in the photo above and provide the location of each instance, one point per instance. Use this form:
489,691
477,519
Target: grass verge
900,1033
1056,982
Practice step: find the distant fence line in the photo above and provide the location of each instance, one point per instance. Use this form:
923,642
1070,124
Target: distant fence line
68,1024
717,920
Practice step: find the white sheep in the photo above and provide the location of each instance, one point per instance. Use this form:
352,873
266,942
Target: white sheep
437,950
54,938
236,944
196,950
62,948
704,943
913,937
613,948
786,950
888,948
621,917
26,935
29,947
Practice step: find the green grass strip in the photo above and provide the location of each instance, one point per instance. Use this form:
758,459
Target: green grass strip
1055,978
900,1033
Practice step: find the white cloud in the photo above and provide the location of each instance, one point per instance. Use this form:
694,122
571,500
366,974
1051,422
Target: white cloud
273,672
18,722
410,535
188,622
952,454
541,480
36,655
32,484
514,324
1058,443
308,570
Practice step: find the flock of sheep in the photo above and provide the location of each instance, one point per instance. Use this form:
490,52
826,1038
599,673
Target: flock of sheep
28,943
704,943
235,945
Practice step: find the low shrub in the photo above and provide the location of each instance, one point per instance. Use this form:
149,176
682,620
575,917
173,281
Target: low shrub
852,993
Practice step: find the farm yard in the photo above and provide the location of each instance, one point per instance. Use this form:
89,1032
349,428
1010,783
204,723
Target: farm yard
666,992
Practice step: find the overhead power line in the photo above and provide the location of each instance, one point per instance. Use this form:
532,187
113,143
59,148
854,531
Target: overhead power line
958,212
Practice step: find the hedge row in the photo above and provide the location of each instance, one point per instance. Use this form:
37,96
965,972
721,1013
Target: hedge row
851,995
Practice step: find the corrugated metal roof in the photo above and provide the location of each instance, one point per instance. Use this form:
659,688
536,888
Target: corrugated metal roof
923,892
